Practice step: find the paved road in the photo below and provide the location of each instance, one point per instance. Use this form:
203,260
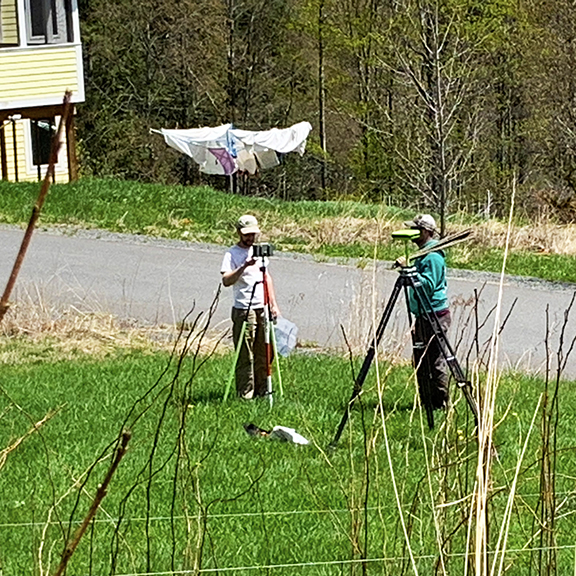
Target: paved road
159,280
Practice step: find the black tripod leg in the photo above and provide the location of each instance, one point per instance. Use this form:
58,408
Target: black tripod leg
447,351
359,382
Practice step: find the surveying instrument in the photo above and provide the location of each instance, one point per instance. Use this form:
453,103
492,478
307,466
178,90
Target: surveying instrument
408,278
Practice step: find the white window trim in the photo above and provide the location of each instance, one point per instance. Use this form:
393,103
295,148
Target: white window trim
21,7
31,169
22,31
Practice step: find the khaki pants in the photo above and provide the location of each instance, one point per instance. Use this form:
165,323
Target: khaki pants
251,368
431,368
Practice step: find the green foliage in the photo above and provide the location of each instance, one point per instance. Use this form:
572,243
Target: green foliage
221,498
431,104
194,213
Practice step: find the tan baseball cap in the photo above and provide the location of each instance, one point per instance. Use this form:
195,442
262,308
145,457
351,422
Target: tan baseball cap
247,224
424,222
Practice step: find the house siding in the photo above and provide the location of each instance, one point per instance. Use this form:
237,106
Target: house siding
28,76
8,23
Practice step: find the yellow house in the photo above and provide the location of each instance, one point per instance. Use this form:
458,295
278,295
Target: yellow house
40,58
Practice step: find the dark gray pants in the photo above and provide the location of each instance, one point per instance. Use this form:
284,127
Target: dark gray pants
431,368
251,368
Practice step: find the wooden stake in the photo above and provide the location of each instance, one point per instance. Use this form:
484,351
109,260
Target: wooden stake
56,143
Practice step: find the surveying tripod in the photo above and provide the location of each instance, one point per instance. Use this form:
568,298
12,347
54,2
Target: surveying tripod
408,278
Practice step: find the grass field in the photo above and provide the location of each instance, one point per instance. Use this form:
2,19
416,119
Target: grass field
329,229
196,491
196,494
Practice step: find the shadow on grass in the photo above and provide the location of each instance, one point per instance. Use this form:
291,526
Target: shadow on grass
209,397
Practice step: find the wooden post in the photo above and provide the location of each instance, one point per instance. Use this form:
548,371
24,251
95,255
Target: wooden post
3,153
15,147
71,147
100,493
35,138
56,142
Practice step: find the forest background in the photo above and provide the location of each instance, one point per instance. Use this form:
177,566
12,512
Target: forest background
434,104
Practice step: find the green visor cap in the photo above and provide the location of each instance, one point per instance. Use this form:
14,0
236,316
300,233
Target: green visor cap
407,234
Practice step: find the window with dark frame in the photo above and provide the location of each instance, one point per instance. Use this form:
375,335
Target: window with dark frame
42,131
49,21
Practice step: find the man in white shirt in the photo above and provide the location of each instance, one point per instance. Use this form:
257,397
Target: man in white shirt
243,272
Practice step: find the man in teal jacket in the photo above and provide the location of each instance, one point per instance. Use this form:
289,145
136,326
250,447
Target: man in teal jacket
431,369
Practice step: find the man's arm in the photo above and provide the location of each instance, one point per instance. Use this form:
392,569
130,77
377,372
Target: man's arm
232,276
431,273
272,295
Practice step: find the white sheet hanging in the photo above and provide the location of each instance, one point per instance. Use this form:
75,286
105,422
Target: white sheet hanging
283,141
245,148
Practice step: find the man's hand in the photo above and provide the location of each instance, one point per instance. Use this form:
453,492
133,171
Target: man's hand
400,262
229,278
275,311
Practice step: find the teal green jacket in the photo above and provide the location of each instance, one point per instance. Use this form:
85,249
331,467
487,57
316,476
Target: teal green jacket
431,271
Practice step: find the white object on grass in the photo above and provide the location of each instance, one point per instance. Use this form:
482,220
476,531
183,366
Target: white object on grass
286,336
288,435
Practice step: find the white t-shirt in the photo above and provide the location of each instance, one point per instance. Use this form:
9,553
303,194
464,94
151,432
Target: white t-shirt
243,288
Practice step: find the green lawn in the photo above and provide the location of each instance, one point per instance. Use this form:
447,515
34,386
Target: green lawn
207,215
202,492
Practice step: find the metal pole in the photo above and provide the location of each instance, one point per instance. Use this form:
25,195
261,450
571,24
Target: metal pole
267,328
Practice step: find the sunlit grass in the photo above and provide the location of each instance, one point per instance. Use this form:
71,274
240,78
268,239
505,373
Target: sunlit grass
267,503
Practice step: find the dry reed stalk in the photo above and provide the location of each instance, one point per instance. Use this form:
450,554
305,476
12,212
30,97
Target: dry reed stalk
500,549
541,235
337,230
51,510
100,494
364,307
486,427
379,385
430,488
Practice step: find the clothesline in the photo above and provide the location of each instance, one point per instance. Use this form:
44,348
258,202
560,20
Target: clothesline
225,150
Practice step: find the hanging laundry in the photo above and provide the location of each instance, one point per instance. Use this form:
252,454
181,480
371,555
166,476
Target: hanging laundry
224,149
246,162
225,158
266,159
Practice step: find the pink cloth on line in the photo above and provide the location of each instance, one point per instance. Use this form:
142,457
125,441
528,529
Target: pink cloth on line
225,159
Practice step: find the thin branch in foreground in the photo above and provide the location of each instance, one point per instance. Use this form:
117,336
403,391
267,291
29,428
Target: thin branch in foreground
35,427
100,493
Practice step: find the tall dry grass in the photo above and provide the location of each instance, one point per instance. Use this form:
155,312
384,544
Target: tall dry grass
48,329
541,235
